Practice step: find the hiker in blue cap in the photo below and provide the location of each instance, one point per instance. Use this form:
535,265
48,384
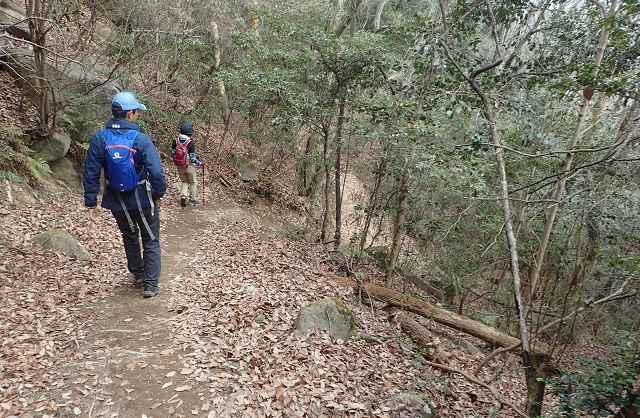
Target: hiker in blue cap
135,185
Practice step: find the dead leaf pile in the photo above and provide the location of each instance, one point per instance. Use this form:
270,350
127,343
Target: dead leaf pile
229,323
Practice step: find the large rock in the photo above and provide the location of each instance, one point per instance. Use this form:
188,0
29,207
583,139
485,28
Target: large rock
53,148
14,13
22,192
245,170
328,314
62,241
65,171
83,88
411,405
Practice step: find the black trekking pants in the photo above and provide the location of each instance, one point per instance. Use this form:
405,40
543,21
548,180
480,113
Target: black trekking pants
145,264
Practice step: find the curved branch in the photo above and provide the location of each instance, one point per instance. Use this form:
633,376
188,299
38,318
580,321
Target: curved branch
485,68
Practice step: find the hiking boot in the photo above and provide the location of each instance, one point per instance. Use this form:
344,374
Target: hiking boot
138,279
193,202
183,201
150,291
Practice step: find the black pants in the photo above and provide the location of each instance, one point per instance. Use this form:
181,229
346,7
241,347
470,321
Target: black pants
144,264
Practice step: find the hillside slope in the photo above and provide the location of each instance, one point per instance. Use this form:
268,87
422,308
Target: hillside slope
78,339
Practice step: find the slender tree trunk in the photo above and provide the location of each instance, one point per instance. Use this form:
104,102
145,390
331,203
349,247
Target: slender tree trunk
398,228
536,384
303,187
378,15
327,184
353,8
337,17
37,11
252,18
338,174
512,243
373,204
222,92
566,166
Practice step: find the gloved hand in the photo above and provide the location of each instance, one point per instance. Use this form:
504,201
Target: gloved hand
201,164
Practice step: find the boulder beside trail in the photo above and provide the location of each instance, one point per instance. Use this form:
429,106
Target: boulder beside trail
62,241
245,170
328,314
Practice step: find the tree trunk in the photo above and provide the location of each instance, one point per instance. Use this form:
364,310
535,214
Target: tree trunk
577,134
373,204
37,12
338,175
252,18
630,411
378,15
327,185
441,316
433,352
304,183
337,17
536,379
353,8
398,228
222,92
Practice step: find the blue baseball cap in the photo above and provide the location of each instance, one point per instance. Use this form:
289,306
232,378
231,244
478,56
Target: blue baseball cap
127,101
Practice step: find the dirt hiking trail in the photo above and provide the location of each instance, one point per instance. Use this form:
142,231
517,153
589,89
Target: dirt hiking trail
132,354
218,340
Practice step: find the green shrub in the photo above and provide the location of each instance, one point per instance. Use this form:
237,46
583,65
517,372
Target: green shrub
600,387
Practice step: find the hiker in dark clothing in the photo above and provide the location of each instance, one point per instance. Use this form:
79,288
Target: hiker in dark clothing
137,211
186,164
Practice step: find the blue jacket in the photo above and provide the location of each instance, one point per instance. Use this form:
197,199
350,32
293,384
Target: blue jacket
147,161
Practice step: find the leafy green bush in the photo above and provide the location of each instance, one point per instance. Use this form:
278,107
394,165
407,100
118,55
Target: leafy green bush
600,387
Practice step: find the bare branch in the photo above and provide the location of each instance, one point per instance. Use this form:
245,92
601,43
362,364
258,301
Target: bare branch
617,295
546,154
472,379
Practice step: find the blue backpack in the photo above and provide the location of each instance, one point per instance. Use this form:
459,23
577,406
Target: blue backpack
120,157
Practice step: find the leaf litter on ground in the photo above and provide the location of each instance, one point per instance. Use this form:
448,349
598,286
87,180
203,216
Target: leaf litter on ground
230,315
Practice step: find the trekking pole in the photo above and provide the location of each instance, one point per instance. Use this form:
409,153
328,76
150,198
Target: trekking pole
202,185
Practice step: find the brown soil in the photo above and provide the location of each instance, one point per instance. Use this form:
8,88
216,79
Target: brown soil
131,364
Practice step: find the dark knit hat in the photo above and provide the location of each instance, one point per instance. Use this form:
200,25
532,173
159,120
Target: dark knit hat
186,129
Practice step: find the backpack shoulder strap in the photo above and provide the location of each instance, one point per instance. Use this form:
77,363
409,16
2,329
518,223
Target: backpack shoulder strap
132,134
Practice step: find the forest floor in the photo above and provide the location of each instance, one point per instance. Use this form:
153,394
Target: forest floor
78,339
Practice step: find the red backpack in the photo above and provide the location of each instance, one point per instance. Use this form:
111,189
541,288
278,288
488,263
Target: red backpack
181,154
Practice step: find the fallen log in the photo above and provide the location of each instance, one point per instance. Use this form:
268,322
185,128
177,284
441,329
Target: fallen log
434,350
439,315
